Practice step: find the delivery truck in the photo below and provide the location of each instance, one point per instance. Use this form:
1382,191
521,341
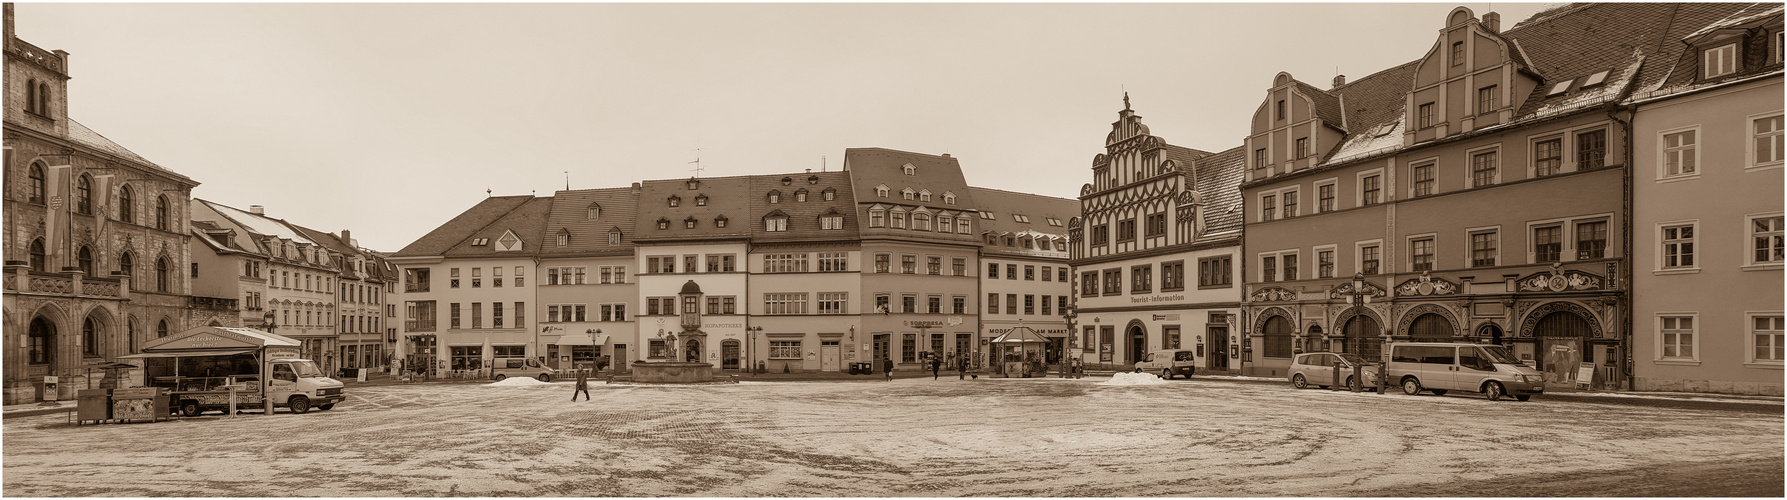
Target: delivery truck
204,368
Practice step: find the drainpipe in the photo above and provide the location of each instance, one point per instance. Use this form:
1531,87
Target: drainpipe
1626,204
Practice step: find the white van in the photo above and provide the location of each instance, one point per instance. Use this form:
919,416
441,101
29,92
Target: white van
1443,366
1168,363
502,368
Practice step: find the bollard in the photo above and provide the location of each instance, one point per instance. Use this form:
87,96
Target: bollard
1358,378
1336,379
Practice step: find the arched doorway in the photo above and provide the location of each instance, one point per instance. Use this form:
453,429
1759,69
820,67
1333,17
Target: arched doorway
1138,342
1313,341
1561,336
692,351
1277,341
1431,327
1363,337
729,355
1489,330
40,345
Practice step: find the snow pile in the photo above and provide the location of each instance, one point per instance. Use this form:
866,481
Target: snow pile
517,381
1127,378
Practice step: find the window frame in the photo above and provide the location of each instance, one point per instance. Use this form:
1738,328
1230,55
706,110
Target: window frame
1415,180
1728,60
1471,156
1413,240
1333,203
1663,151
1575,236
1750,334
1470,247
1226,272
1359,256
1663,243
1749,240
1488,99
1333,255
1750,156
1359,190
1659,355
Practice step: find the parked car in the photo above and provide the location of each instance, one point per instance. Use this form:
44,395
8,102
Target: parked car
1317,369
521,367
1439,367
1168,362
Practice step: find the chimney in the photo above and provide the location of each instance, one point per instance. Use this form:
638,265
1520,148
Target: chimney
946,155
1339,80
1492,22
347,237
257,210
635,189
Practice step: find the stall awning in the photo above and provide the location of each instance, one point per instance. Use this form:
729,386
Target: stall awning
171,354
1020,334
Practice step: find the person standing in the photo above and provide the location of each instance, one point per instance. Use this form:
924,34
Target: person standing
887,365
582,385
936,366
962,368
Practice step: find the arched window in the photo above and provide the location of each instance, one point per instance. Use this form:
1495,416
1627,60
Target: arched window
163,275
161,213
83,195
38,259
84,260
43,99
89,337
127,205
37,183
1431,327
907,193
40,345
924,195
130,335
881,191
161,329
31,96
1278,339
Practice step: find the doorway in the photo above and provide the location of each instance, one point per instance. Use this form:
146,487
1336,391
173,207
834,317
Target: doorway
620,364
729,355
828,355
1219,347
880,352
692,351
1138,343
1561,350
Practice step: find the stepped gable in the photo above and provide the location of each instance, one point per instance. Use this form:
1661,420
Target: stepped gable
461,227
616,209
527,221
803,217
725,197
1219,186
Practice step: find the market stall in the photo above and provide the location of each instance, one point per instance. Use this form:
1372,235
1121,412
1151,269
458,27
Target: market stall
1020,352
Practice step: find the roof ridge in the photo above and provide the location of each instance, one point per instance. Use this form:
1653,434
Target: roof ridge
1019,192
1365,78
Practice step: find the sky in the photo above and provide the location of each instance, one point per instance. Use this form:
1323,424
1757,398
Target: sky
390,119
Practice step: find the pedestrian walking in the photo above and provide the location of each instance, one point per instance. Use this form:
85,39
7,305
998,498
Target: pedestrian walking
887,364
961,368
936,366
582,385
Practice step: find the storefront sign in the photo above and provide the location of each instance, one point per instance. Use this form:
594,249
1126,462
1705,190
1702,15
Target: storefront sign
282,352
1166,317
923,324
722,325
1156,298
1001,331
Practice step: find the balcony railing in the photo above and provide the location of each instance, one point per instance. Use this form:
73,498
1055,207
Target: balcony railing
61,284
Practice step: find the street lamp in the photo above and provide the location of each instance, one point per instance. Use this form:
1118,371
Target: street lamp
1067,315
751,348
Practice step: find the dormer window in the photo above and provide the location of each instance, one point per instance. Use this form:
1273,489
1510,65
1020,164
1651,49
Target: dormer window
595,211
831,220
877,218
812,179
720,221
787,181
676,201
689,223
949,198
987,215
899,219
921,222
1457,53
614,237
800,196
829,194
694,184
907,193
909,169
775,222
663,224
945,223
924,195
563,237
881,190
775,197
1719,61
701,200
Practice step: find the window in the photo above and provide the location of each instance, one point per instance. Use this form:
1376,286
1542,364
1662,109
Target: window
1371,186
908,194
477,315
1141,279
1591,149
963,226
800,196
1369,260
908,264
37,183
775,223
881,191
1290,266
785,263
1011,271
722,263
1269,268
1486,98
163,280
1289,198
1113,282
496,314
126,205
161,213
1324,264
1029,273
1324,198
1766,339
934,265
774,197
833,261
881,263
1767,141
1677,336
1680,156
1268,207
1483,169
924,195
833,302
1483,249
701,200
1011,303
1591,240
1720,61
1425,115
899,220
675,201
83,195
1457,53
945,223
1259,158
934,304
1302,147
1089,284
1047,304
614,238
1157,225
1421,254
1424,179
992,303
831,221
1101,234
1765,240
1548,244
959,266
1215,272
721,305
785,303
610,312
1548,157
958,305
784,349
1029,304
829,194
1678,246
1126,230
1280,108
689,223
663,224
909,348
921,222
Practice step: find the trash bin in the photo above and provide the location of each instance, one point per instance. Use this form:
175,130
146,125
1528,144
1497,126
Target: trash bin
93,404
861,369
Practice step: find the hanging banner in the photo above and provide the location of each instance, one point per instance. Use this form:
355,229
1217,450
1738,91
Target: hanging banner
54,219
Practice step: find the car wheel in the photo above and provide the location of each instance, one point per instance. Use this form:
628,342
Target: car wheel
500,377
1522,397
1299,382
1166,374
1351,383
190,408
1410,386
299,405
1437,392
1493,391
544,377
325,407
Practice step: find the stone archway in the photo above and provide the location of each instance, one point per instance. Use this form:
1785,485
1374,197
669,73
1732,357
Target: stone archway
1428,323
1362,330
1135,340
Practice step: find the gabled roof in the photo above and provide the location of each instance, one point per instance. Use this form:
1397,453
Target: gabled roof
1006,205
1219,186
84,136
803,217
869,167
725,196
570,213
461,227
527,221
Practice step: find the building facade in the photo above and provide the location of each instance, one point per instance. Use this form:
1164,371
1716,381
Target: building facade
297,299
1706,300
1026,278
587,293
805,294
96,237
467,287
1153,214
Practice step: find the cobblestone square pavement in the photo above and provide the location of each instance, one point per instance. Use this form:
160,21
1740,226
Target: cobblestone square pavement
912,437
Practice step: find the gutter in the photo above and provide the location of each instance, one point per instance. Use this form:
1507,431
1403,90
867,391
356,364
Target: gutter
1626,205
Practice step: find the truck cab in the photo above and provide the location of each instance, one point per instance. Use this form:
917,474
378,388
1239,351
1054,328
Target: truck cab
297,384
